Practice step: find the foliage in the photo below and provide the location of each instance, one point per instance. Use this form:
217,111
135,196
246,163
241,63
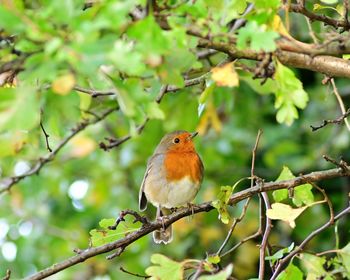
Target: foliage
219,67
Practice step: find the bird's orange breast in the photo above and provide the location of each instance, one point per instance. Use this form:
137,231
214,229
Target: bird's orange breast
180,165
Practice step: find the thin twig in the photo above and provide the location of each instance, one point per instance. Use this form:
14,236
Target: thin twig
264,241
234,223
328,252
7,183
115,142
326,198
341,164
244,240
45,133
335,121
95,93
283,262
252,174
134,274
341,103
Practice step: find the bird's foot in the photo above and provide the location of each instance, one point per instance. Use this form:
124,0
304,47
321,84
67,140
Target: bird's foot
163,220
191,206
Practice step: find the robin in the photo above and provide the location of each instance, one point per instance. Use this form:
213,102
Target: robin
173,176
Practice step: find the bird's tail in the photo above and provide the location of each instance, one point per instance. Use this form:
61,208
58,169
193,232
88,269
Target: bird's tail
163,235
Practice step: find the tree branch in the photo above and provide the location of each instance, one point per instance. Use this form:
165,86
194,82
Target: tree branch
326,64
335,121
183,212
300,8
7,183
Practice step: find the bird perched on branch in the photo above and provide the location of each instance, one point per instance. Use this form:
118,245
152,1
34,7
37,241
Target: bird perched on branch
173,177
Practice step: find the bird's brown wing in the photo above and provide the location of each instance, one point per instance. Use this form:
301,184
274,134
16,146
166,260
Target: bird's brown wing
142,195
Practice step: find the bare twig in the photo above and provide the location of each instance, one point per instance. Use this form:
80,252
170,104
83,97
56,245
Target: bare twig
134,274
341,164
137,216
252,174
244,240
300,8
115,142
45,133
264,242
335,121
95,93
283,262
328,252
326,198
183,212
234,223
341,103
7,183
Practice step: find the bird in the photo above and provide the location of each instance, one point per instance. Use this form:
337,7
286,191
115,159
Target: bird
173,177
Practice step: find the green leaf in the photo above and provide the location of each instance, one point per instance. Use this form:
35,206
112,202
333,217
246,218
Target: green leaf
253,36
282,194
165,268
154,40
9,21
344,255
154,112
221,203
267,4
302,194
290,95
103,236
279,254
214,259
222,275
314,267
19,109
291,272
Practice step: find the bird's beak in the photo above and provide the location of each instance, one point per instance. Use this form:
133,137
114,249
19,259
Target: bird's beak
194,134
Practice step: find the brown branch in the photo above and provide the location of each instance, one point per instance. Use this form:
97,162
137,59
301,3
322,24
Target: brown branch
326,64
183,212
264,242
335,121
115,142
283,262
300,8
7,183
134,274
45,133
95,93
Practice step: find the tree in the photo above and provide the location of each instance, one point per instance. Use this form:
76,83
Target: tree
89,88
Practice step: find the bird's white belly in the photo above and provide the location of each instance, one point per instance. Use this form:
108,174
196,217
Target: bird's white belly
172,194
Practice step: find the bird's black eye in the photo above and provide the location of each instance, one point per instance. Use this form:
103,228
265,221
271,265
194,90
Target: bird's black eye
176,140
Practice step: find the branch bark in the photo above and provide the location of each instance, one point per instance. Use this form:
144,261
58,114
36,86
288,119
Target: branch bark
204,207
326,64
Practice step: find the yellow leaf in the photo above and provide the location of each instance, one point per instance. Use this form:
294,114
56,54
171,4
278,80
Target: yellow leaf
225,75
284,212
278,26
82,146
209,119
63,84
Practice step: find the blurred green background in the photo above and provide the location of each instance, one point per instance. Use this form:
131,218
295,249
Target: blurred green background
46,216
